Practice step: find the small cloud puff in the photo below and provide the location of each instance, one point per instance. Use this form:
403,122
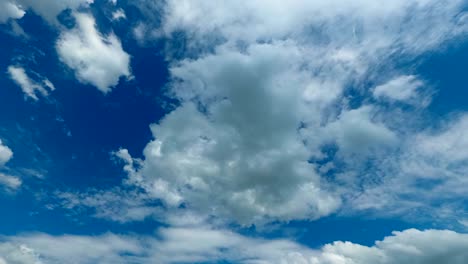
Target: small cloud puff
96,59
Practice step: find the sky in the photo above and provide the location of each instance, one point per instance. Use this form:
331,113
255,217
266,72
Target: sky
261,131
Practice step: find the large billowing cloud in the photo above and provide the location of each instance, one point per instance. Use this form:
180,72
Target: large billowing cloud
277,117
202,244
96,59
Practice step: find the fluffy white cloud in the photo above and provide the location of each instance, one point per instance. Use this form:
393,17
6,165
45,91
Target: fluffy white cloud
96,59
410,246
265,87
10,182
5,154
29,87
182,245
7,181
10,10
242,156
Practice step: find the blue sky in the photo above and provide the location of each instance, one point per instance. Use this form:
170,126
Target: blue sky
233,132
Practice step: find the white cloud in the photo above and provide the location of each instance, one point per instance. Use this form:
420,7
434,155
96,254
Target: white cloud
5,154
29,87
7,181
182,245
115,205
403,88
355,132
118,14
96,59
410,246
10,10
426,179
10,182
50,9
258,105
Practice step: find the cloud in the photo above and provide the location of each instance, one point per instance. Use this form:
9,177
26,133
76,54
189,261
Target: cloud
426,179
410,246
10,182
115,205
244,148
7,181
96,59
50,9
118,14
5,154
182,245
10,10
29,87
47,9
403,88
259,107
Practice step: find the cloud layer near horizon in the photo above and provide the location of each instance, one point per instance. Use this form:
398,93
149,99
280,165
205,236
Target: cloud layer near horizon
202,244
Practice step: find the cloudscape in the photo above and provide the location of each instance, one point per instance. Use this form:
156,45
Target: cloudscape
261,131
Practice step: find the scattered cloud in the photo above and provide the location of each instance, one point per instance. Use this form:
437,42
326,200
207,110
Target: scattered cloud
29,87
96,59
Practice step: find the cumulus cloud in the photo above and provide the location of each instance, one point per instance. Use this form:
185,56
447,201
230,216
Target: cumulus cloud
10,10
410,246
7,181
96,59
259,107
5,154
29,87
182,245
